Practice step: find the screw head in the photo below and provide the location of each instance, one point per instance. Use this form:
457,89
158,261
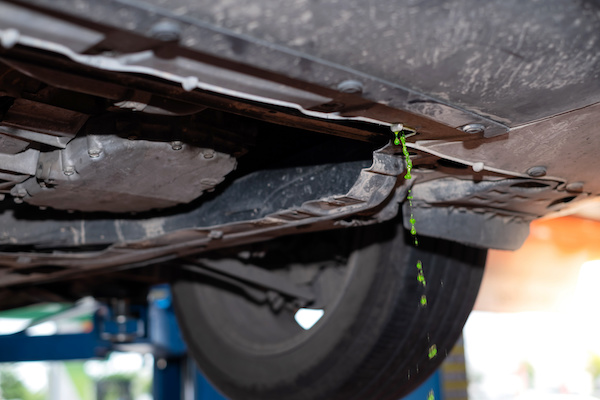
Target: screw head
68,171
350,86
209,182
536,171
177,145
208,153
473,129
94,153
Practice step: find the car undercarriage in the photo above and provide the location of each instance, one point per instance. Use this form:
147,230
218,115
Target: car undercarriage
211,144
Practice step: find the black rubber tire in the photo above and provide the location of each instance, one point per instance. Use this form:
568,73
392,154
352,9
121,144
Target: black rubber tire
376,342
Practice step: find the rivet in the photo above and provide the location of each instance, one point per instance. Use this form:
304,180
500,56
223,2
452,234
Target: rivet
536,171
176,145
473,129
350,86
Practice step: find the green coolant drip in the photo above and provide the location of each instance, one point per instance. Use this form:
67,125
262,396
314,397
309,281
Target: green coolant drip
407,156
397,141
400,139
420,274
432,351
431,396
413,229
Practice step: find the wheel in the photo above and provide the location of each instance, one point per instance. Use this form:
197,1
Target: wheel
376,339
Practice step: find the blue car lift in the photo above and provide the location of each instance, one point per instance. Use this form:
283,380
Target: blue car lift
153,329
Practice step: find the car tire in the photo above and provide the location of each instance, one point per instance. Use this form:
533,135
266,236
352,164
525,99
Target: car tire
377,340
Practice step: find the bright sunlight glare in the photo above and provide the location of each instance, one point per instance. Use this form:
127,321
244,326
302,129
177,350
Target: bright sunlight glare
308,317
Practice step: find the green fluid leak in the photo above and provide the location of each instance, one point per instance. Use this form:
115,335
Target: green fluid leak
421,278
408,176
407,156
413,231
396,140
432,351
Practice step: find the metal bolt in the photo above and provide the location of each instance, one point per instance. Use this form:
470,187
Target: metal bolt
18,200
22,192
177,145
68,171
330,107
208,153
350,86
397,127
478,167
94,153
190,83
473,129
167,31
215,234
536,171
